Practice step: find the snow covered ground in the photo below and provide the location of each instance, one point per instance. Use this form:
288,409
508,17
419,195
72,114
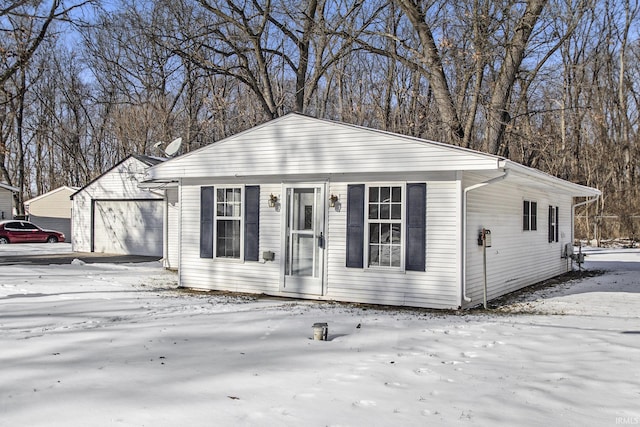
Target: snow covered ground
119,345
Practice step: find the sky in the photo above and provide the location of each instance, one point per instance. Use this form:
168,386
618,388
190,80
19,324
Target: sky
121,345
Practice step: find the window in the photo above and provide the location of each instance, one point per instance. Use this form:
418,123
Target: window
553,224
530,216
384,222
386,226
230,222
28,226
228,219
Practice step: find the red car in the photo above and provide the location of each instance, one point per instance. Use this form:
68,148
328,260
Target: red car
17,231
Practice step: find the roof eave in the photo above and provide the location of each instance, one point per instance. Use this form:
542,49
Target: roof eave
576,190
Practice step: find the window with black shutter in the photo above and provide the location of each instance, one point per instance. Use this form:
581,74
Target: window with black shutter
377,216
229,221
529,216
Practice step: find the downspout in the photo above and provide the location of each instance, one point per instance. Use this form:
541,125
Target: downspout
464,228
573,214
165,223
165,230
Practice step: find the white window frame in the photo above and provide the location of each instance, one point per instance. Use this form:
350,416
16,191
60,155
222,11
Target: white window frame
402,222
239,218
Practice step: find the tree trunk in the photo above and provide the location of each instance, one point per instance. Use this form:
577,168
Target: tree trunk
498,116
437,78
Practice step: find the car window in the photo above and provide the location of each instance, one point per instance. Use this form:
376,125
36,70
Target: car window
12,226
28,226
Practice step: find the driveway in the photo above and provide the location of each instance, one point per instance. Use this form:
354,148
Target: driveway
60,253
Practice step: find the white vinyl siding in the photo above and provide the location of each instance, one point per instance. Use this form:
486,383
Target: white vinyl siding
229,274
295,144
120,183
6,204
52,210
54,204
517,258
438,287
296,149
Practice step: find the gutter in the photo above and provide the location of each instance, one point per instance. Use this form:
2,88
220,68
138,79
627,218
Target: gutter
576,190
464,227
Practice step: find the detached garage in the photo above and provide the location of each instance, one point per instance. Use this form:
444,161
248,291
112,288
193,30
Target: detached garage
113,215
52,210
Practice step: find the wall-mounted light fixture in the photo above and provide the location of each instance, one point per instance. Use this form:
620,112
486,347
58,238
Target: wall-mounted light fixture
273,201
332,201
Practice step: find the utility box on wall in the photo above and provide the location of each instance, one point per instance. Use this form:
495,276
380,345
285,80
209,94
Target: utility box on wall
484,238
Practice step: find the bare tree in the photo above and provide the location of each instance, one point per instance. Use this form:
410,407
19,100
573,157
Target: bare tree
32,20
280,50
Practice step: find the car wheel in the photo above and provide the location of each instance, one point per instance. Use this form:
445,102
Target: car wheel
4,241
52,239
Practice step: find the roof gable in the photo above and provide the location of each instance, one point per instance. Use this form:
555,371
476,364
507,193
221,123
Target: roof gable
296,144
64,188
123,177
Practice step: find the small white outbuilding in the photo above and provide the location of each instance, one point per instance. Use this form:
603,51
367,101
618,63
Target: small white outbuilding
6,200
112,214
311,208
52,210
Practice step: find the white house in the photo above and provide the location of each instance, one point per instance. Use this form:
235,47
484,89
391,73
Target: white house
316,209
6,201
52,210
112,214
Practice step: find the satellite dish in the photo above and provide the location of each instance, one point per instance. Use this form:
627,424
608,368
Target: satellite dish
173,147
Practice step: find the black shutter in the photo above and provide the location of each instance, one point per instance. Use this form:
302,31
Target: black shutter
355,225
207,204
252,223
416,226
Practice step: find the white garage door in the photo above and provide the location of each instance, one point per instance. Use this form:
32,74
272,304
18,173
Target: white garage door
128,227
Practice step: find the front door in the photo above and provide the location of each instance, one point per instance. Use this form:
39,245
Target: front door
303,250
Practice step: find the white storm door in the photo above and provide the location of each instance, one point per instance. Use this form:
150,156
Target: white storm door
304,240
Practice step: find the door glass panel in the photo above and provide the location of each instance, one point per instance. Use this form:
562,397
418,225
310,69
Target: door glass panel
302,260
302,252
287,255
